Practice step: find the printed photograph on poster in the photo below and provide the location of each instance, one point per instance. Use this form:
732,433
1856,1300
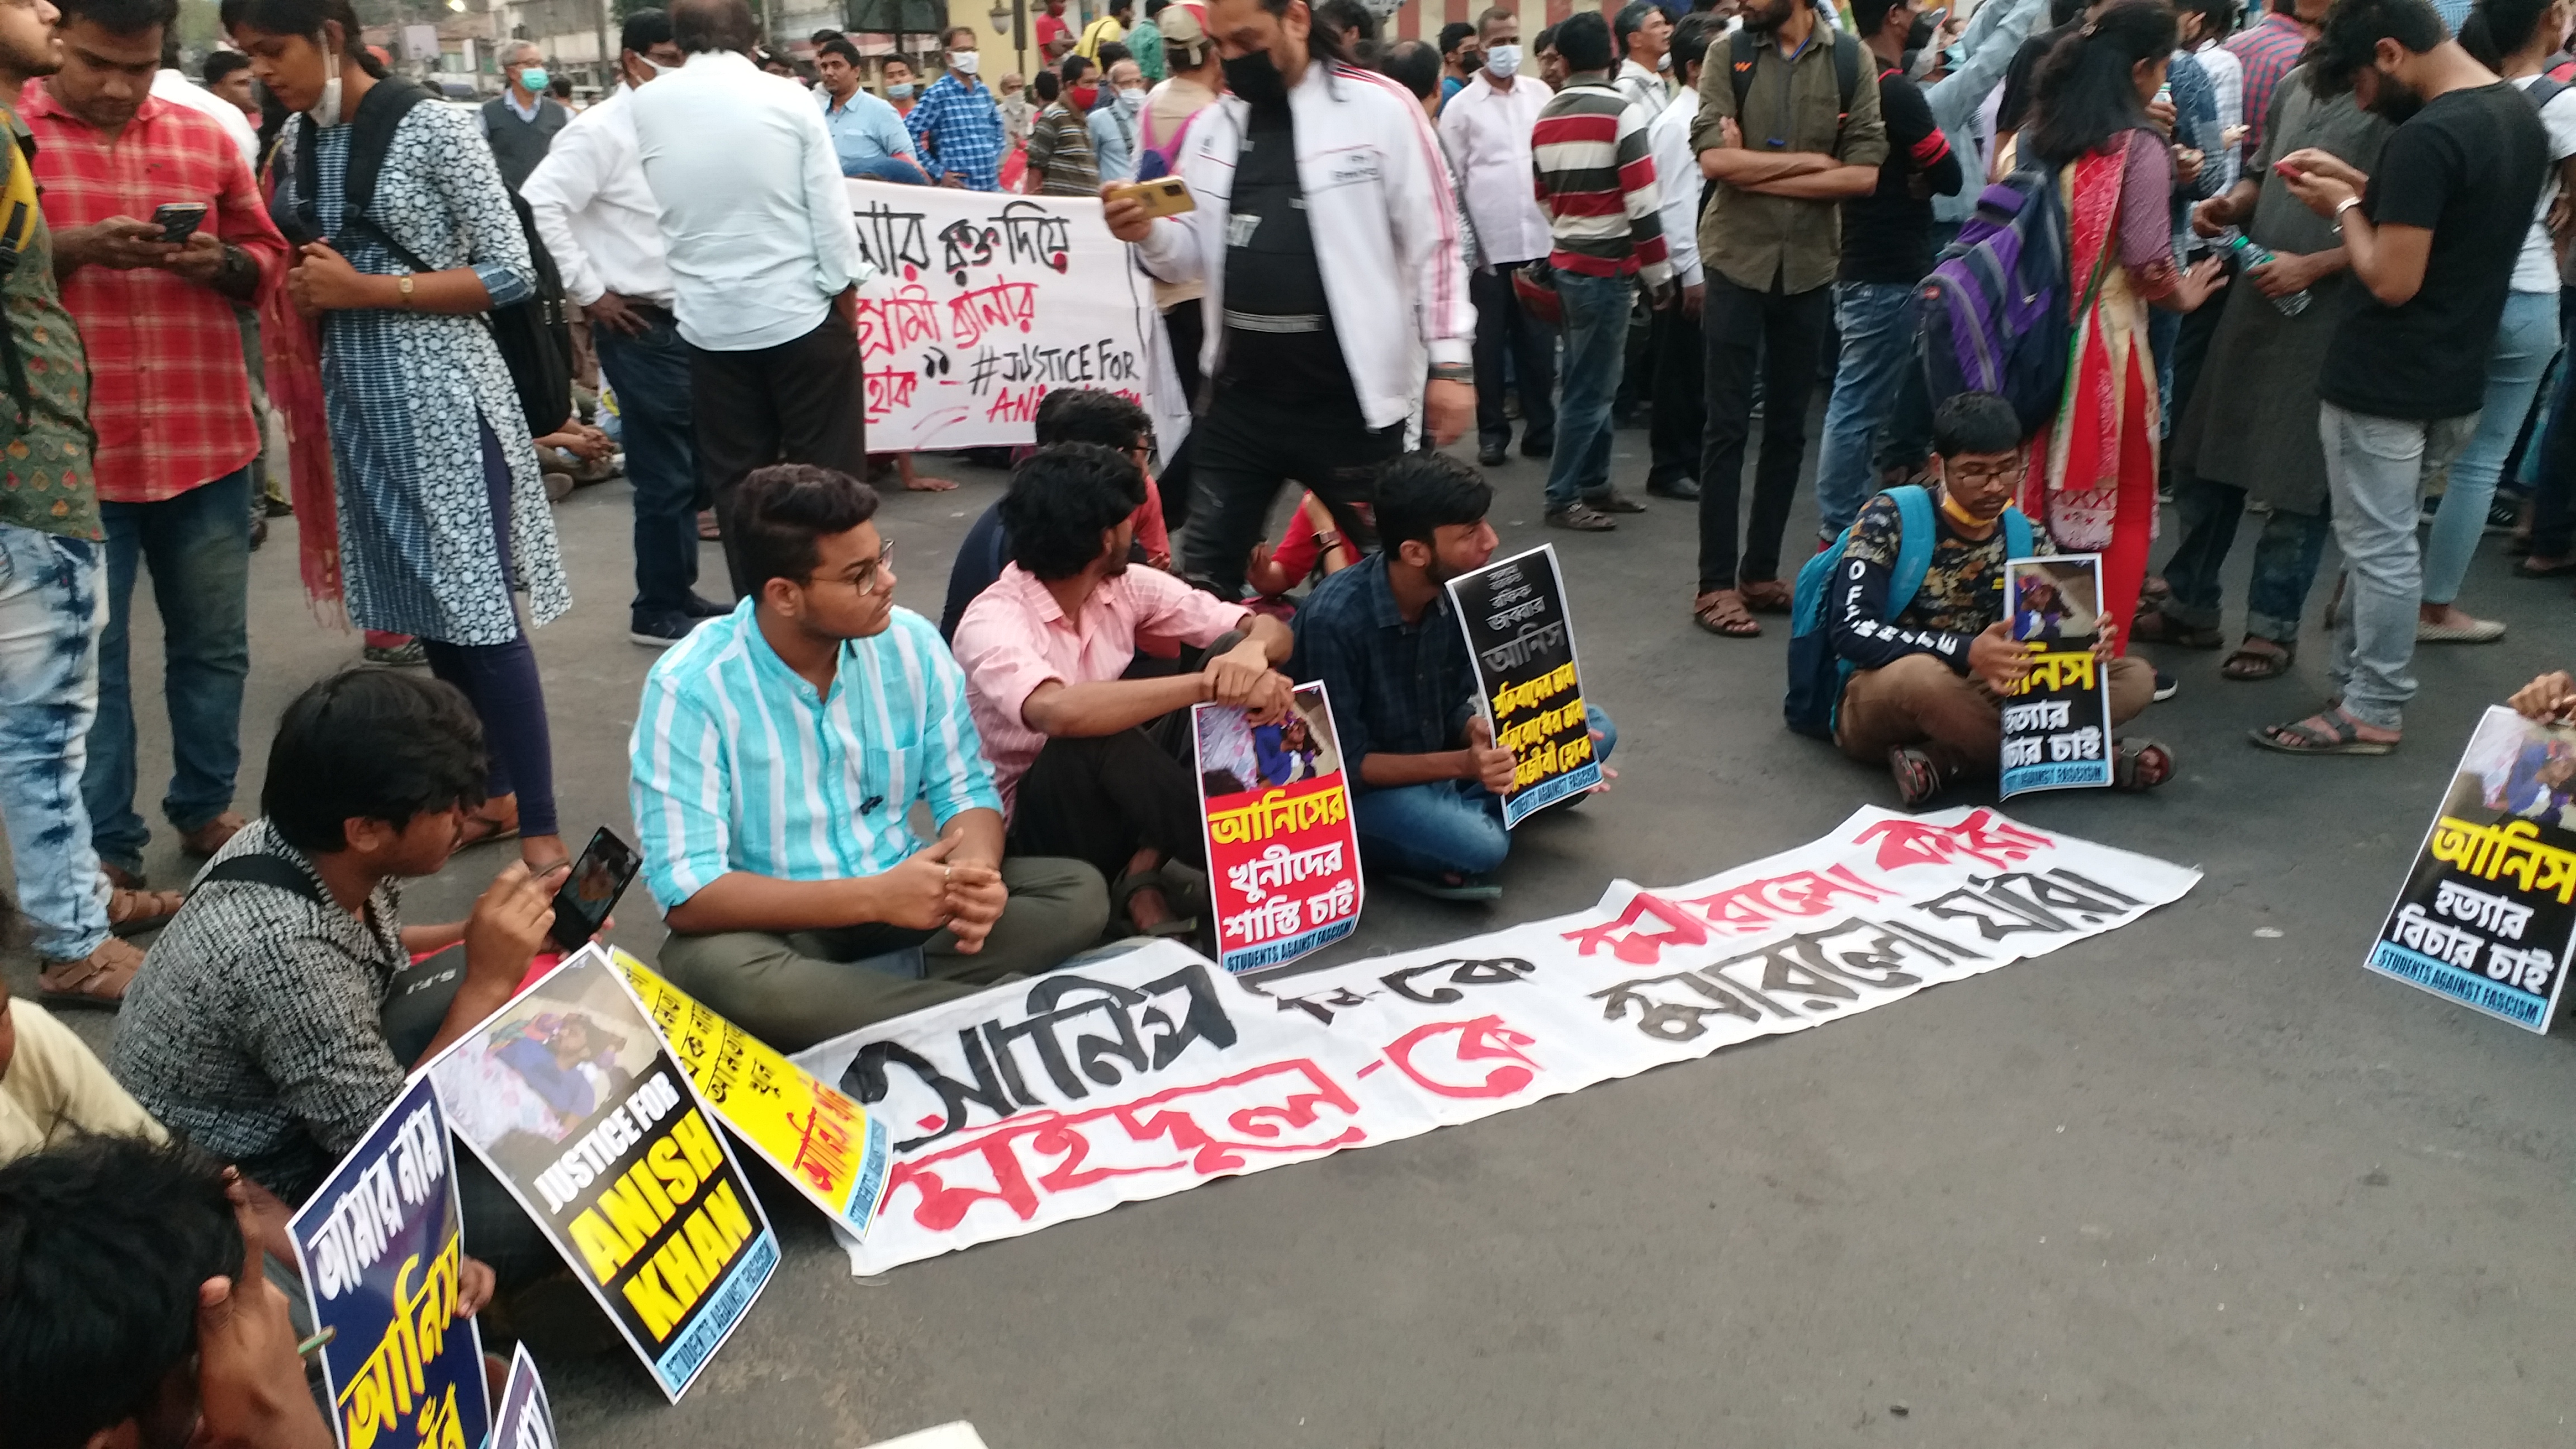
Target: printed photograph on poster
383,1254
525,1420
2487,914
981,304
828,1147
567,1094
1529,688
2057,727
1283,856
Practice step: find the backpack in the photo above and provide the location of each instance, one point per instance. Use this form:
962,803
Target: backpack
19,199
1816,673
1995,315
533,336
1744,52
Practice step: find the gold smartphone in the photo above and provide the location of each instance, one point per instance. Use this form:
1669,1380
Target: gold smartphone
1162,196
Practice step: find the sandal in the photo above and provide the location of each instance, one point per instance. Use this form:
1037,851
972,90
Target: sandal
133,912
2138,765
2343,737
96,982
1722,612
2154,590
1766,596
2251,664
1451,886
1918,776
2159,627
497,820
2536,567
1135,881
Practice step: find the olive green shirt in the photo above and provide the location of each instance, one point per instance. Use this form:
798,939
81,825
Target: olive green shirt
45,481
1795,102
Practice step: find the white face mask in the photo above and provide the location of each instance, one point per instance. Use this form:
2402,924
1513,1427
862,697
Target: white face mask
326,112
1664,62
1133,100
964,62
1503,61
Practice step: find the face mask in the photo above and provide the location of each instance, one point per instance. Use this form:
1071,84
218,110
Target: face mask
1083,96
533,79
899,92
1256,78
1503,61
1664,62
964,62
326,112
1133,101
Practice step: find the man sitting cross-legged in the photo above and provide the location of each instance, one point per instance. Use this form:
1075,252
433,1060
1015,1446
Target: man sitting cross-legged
776,755
1425,776
1927,686
1044,649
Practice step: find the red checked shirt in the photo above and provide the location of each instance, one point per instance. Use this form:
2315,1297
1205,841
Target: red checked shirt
169,397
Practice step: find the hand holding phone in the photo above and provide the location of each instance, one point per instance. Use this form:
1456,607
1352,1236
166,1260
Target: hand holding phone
1162,196
582,903
178,220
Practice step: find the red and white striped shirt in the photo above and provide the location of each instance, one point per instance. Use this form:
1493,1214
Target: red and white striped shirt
1596,181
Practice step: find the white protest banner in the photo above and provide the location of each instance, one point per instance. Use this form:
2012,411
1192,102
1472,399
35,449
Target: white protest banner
1145,1075
982,304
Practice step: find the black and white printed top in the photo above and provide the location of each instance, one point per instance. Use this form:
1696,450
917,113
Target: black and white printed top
253,1030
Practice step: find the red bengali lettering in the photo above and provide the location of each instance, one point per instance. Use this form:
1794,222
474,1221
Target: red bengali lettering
1981,836
1758,905
1483,1039
999,307
1642,948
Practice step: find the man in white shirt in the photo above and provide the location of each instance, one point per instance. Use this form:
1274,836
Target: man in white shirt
1644,35
1485,128
172,84
1678,370
764,257
599,221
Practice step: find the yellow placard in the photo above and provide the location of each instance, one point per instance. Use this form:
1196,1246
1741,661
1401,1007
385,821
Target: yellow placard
827,1145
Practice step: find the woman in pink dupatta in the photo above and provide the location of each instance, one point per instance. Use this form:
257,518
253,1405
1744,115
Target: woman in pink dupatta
2095,490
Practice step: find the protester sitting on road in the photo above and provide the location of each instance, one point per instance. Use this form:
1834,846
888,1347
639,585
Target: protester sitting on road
1090,764
53,1088
781,855
133,1312
1425,776
1925,695
1311,548
255,1028
1066,415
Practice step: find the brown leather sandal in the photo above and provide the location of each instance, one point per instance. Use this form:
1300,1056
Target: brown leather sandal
132,912
1766,596
95,982
1722,612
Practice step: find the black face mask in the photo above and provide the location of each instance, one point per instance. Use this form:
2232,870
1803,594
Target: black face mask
1256,78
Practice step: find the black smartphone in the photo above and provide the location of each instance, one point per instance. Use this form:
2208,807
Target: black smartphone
598,878
178,220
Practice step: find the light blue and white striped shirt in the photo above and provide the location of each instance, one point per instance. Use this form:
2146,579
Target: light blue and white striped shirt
738,765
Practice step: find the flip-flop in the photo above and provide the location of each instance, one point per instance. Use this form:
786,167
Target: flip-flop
1466,888
2253,666
2343,739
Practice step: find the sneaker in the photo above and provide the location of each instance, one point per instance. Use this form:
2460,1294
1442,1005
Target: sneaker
1680,490
1491,455
2166,686
2504,515
701,607
1580,517
661,633
1611,500
409,654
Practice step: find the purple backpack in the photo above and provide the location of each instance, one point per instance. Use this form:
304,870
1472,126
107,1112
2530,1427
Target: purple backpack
1994,315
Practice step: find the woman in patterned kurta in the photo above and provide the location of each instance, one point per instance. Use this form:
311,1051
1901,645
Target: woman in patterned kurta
442,511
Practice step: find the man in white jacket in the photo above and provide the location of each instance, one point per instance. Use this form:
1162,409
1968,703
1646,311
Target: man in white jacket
1328,241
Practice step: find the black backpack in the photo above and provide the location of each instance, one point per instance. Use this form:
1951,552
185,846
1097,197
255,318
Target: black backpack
533,335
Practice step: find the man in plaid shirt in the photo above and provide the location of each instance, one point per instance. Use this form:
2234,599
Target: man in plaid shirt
957,127
170,399
2267,50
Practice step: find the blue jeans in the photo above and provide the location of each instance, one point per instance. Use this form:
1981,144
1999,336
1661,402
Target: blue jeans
2375,470
651,377
1876,321
2286,555
51,611
1596,349
197,546
2525,341
1447,825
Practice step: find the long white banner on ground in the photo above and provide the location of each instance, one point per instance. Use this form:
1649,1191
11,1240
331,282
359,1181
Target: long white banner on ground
1151,1073
982,304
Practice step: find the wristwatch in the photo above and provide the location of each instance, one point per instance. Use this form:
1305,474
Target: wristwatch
402,284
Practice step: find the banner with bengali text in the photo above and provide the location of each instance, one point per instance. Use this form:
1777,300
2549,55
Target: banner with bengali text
2487,913
1037,1102
985,302
383,1254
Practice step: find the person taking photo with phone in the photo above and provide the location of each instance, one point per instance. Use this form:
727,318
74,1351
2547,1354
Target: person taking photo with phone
170,401
1333,313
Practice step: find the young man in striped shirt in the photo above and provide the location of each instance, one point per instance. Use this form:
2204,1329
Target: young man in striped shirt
776,756
1596,182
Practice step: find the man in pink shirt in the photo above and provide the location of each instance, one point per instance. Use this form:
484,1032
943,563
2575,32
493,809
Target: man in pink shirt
1091,764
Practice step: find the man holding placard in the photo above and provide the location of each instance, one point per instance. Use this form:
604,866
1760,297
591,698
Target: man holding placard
1921,632
1427,780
